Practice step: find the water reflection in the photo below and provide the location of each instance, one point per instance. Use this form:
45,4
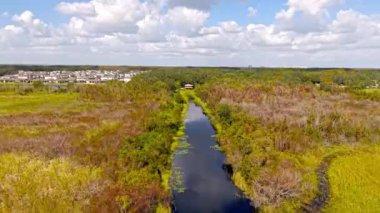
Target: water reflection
206,182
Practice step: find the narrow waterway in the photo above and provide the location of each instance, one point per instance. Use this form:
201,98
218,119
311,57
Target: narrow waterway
205,184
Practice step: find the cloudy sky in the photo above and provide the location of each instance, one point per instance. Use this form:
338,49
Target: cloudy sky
312,33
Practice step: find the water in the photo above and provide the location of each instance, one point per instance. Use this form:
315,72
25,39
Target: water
206,182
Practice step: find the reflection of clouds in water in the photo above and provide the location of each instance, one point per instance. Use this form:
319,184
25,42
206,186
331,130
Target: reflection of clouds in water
194,113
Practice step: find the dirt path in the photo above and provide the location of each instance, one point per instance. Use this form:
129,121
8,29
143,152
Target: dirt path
319,202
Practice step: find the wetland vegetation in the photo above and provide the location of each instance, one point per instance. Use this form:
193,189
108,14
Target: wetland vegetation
101,147
109,147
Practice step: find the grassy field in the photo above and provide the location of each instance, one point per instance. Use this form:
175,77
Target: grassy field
355,182
11,103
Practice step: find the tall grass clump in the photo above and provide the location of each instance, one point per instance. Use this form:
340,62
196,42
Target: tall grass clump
28,184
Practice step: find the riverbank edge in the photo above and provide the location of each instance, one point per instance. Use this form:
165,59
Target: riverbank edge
167,176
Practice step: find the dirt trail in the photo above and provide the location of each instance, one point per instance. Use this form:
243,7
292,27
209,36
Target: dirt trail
319,202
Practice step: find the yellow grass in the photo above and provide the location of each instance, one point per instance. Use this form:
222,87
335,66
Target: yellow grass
28,184
355,183
11,103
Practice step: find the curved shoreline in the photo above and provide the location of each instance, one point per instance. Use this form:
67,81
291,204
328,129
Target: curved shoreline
323,196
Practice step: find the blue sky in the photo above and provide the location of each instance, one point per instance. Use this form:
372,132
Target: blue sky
237,10
221,11
45,11
205,32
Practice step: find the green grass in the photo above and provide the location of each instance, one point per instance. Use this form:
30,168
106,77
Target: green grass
355,183
162,209
11,103
372,94
371,90
28,184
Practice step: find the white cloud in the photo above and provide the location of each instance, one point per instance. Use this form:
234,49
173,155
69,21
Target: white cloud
4,14
356,29
151,28
350,21
252,12
262,35
26,17
196,4
305,15
33,25
10,36
100,16
230,27
157,32
185,20
76,8
313,7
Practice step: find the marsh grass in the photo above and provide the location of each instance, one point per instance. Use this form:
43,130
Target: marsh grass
29,184
373,94
355,183
12,103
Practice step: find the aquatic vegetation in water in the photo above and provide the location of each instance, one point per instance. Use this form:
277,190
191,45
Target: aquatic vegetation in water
183,146
217,147
177,183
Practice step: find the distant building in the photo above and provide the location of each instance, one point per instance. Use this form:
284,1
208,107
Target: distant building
189,86
80,76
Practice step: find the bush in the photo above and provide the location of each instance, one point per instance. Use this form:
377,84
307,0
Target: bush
273,187
38,85
25,91
225,114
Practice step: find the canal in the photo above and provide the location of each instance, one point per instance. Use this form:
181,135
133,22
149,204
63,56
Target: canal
205,184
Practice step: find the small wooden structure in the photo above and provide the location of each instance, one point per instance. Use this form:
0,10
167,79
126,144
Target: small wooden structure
188,86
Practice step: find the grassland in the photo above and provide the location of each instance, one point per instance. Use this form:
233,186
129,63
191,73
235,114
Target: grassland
355,182
12,103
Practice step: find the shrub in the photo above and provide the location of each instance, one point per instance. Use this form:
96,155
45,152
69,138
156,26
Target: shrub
224,113
38,85
274,186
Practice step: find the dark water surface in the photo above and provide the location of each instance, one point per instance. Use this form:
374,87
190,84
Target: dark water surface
206,182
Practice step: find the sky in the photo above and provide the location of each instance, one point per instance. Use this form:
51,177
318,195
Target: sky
271,33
